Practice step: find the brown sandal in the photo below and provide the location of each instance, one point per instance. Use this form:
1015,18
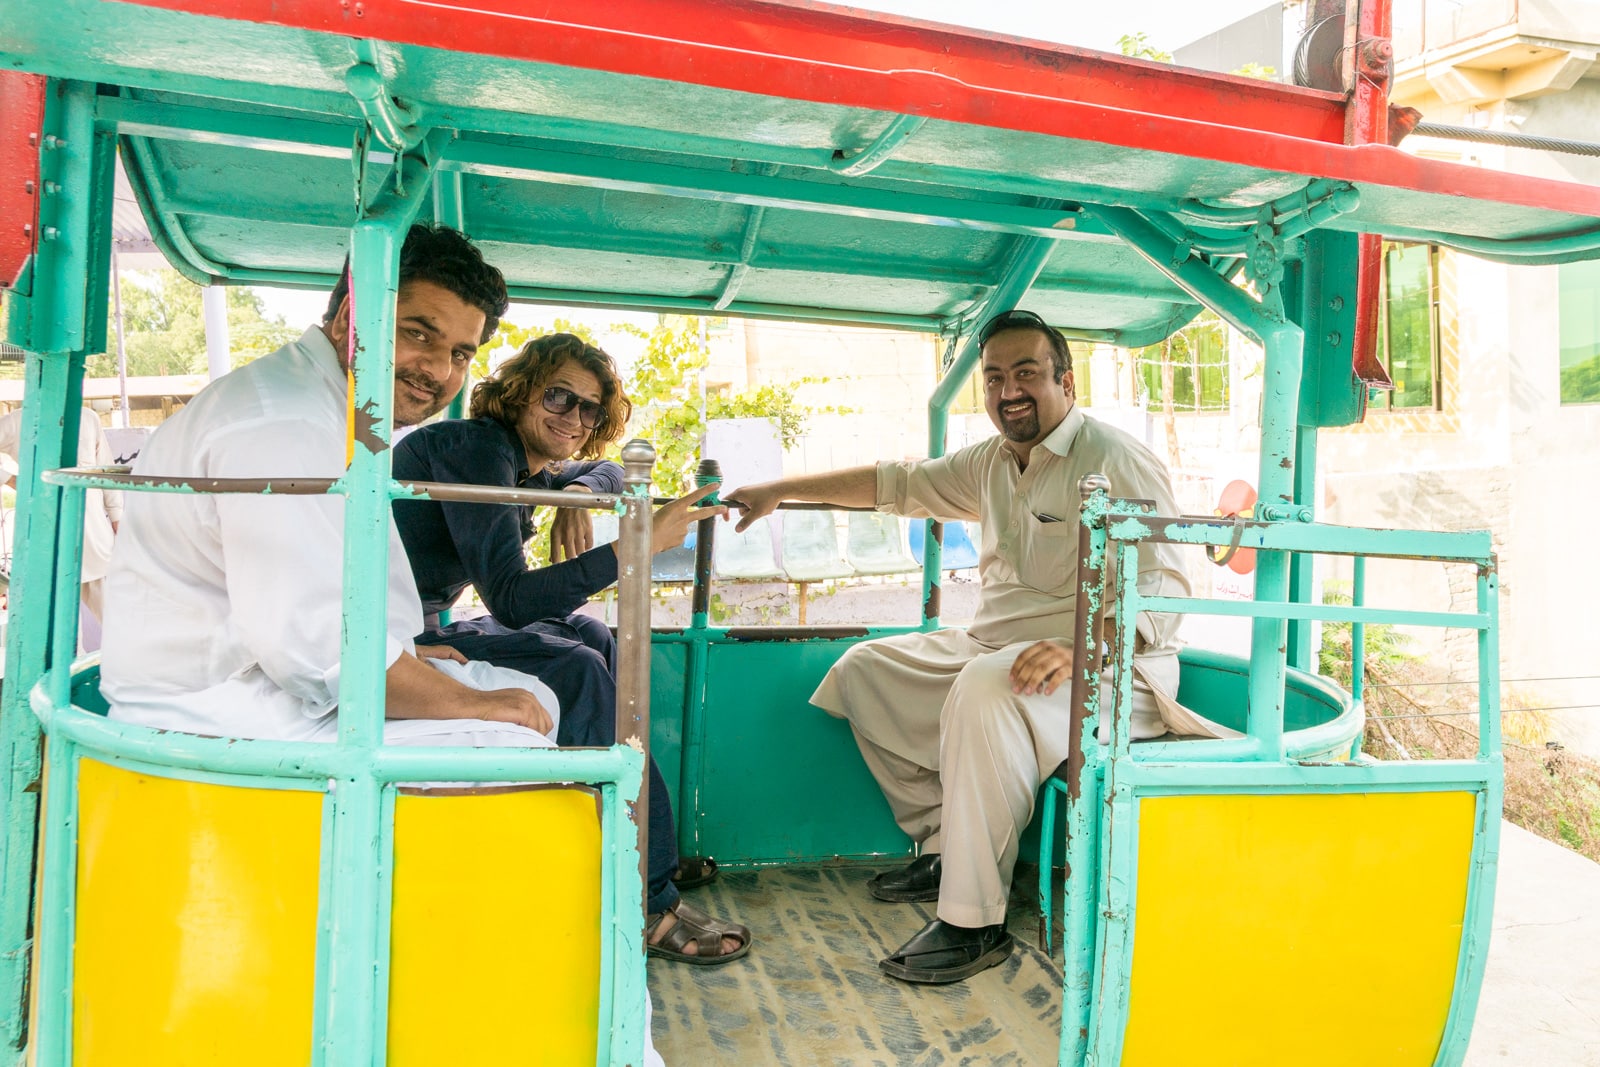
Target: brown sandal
694,872
695,928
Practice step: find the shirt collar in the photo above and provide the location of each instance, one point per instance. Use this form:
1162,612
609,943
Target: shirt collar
1059,440
320,353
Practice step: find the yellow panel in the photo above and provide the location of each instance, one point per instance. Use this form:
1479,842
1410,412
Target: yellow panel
1319,930
197,922
496,942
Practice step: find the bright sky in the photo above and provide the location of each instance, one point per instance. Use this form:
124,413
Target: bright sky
1167,25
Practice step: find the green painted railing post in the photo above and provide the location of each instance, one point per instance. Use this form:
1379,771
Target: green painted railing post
54,325
1025,263
450,209
357,946
1269,637
1302,566
1283,342
57,884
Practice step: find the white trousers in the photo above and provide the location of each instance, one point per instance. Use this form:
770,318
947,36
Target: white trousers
958,755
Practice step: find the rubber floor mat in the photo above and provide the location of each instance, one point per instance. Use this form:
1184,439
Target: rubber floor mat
810,992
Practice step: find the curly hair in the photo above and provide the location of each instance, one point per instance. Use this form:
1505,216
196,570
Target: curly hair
520,381
445,257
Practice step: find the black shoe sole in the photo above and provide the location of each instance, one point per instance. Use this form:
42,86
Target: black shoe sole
944,976
903,896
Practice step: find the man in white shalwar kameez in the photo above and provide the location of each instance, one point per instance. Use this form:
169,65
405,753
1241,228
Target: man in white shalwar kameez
960,727
224,612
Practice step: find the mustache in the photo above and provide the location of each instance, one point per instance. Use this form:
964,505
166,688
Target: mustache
421,381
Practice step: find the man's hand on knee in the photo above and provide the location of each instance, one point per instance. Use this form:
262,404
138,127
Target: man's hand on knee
1042,668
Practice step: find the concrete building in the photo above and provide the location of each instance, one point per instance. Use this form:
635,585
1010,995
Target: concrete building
1495,421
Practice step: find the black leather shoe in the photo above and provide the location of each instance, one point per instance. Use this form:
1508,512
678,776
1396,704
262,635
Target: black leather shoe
916,881
942,953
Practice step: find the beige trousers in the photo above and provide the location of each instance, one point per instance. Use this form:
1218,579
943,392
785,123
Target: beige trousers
958,755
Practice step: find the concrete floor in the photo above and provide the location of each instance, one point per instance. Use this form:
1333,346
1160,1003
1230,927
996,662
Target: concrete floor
1541,991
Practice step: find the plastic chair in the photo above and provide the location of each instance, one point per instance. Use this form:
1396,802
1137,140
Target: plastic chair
674,565
875,545
960,551
811,547
745,555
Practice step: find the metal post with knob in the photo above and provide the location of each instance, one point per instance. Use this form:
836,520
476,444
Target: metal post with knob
1093,488
633,625
708,473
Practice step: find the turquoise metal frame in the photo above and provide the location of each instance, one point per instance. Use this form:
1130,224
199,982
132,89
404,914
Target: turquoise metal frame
358,773
1102,812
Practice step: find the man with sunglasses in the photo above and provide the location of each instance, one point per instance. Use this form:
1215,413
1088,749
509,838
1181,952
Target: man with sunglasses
542,421
960,727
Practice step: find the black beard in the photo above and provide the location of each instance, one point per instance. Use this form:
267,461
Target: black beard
1021,428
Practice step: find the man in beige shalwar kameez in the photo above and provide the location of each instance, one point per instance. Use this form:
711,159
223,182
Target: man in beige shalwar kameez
960,727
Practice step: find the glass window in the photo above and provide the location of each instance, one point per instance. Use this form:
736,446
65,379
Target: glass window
1199,373
1580,332
1408,327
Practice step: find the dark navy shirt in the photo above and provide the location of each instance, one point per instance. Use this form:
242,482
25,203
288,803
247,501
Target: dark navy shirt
453,545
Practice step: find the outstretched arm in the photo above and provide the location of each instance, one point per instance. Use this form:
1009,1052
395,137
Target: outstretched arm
852,487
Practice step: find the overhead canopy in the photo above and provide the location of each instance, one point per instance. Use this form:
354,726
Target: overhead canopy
743,157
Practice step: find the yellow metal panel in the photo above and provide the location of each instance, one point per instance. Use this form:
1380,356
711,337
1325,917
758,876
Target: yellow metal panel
196,922
1319,930
496,942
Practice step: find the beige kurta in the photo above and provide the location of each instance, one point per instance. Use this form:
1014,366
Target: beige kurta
958,755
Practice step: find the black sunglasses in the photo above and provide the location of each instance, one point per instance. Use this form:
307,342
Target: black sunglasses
1010,320
559,401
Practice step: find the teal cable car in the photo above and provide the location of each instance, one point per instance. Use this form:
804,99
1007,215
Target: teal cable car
178,899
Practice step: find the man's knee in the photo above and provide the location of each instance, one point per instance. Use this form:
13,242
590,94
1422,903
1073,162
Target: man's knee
594,634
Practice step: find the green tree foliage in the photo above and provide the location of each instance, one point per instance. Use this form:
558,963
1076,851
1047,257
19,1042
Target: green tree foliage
1580,383
668,409
1138,46
1386,649
164,327
1256,70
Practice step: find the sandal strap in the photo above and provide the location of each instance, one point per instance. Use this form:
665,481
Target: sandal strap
695,927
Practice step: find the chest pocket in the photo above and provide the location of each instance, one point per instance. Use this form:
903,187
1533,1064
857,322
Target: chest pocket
1048,556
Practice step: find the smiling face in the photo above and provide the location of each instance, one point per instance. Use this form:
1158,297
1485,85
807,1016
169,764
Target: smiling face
551,438
435,339
1020,392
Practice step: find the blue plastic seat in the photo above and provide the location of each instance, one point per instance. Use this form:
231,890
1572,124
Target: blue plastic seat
960,544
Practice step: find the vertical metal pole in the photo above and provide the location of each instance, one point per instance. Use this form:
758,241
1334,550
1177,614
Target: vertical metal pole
52,1045
1026,260
1083,811
708,473
1358,630
1489,740
357,941
1303,565
53,327
214,305
692,759
449,209
1093,489
122,347
633,628
1269,637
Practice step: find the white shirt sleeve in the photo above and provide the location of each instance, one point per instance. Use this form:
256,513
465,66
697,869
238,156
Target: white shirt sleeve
284,563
